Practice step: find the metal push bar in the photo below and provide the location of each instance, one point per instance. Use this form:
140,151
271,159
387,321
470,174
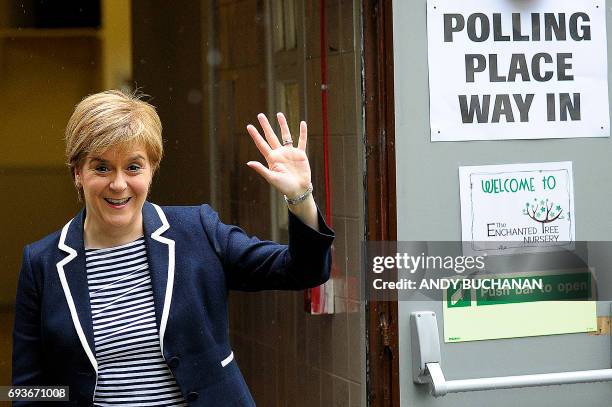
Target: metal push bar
427,369
441,387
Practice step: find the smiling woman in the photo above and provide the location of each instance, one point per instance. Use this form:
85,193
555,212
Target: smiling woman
113,148
127,303
115,186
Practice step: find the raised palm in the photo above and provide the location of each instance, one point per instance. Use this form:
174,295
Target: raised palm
288,169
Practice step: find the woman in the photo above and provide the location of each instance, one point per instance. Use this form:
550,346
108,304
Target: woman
127,303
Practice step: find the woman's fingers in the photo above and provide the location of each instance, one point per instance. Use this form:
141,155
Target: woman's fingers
269,133
303,136
260,143
270,136
285,133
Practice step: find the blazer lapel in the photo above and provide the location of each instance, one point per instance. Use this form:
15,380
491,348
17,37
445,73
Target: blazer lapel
160,252
73,277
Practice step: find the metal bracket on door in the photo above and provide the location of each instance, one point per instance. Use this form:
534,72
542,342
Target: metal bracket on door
427,365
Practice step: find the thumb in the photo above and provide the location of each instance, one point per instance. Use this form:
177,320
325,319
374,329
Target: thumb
261,170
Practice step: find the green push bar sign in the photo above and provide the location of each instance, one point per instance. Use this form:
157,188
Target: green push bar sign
560,287
554,304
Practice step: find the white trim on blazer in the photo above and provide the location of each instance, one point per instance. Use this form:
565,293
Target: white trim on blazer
72,254
170,282
227,360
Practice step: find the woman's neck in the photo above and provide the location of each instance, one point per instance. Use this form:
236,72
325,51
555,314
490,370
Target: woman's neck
98,237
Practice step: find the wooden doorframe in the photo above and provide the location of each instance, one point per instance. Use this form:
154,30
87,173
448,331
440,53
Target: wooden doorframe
382,348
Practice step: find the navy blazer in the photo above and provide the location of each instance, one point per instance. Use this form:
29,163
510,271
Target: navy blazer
193,259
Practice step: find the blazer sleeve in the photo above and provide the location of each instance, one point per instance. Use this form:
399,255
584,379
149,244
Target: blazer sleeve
251,264
27,351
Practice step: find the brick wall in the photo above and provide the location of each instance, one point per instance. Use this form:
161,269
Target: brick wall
289,357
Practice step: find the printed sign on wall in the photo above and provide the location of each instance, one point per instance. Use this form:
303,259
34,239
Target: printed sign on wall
517,206
501,69
474,322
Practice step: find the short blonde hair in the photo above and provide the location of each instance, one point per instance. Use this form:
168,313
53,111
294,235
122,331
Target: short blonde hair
112,119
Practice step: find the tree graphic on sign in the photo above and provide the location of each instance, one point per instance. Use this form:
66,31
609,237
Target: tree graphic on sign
543,211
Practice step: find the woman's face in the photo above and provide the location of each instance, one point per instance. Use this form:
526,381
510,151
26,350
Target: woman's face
115,185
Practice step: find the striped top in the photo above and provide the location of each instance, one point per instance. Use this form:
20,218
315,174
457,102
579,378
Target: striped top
131,369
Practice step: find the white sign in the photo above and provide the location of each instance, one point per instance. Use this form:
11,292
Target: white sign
517,206
507,69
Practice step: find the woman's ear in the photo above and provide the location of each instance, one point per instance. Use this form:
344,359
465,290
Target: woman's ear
77,177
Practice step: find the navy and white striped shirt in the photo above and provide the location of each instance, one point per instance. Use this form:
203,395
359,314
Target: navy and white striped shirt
131,369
